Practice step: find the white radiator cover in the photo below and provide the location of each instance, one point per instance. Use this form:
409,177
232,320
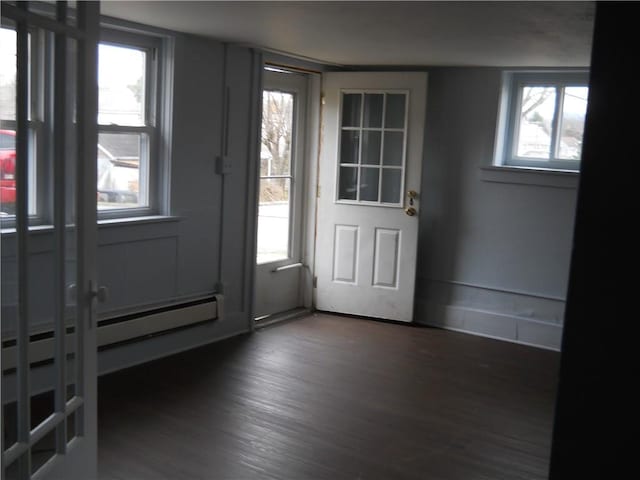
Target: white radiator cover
141,326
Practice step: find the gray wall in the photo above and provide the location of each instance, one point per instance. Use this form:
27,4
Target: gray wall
493,255
161,261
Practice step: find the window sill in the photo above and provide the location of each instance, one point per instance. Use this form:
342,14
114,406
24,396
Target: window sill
530,176
105,223
114,222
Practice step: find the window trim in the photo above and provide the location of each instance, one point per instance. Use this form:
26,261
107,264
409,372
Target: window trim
40,99
158,116
508,121
296,84
152,182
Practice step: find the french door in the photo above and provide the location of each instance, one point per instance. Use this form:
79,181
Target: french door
48,262
279,267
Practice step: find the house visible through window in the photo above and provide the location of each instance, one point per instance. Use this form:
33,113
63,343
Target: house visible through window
128,154
543,120
127,76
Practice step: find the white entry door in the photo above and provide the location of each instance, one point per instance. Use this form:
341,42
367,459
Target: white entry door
49,419
369,197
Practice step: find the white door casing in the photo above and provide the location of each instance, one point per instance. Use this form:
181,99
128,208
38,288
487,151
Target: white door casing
367,245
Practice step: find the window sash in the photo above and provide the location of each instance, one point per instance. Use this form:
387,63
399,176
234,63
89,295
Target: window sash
518,81
150,166
40,92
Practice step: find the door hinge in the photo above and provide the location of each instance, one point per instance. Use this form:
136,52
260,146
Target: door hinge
315,282
318,190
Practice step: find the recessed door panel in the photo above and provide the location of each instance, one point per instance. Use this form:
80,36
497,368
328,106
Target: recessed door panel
345,260
385,257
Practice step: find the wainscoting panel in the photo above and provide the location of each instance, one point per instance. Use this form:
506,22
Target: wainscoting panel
518,317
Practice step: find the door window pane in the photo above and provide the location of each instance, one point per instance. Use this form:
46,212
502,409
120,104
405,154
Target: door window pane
349,146
369,178
121,80
395,110
371,147
120,170
273,219
277,133
274,211
373,110
372,155
574,110
393,146
535,122
391,183
348,188
351,104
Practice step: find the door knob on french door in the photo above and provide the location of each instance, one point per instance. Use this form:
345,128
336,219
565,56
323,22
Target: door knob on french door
410,211
101,294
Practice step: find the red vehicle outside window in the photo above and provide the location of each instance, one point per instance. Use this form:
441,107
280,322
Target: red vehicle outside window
8,172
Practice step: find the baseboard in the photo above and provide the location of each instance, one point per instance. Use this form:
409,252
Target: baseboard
494,325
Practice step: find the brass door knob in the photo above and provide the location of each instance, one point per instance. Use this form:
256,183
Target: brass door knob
410,211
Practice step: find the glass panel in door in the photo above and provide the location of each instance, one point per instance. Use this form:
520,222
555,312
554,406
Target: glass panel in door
274,211
372,147
48,334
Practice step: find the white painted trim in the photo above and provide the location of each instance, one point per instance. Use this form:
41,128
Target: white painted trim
494,325
145,357
494,289
109,334
310,207
530,176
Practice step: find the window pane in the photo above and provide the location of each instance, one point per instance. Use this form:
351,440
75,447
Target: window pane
395,110
369,184
121,82
373,110
351,109
273,219
371,147
7,74
393,146
349,146
7,172
348,183
122,170
277,131
535,122
574,110
391,183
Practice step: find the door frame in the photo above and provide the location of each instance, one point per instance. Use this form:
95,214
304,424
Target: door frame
308,155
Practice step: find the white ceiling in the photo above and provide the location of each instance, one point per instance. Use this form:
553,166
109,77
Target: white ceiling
387,33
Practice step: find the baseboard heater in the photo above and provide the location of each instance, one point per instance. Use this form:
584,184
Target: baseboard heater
114,331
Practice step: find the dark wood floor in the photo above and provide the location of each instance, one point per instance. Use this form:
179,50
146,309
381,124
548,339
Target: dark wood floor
329,397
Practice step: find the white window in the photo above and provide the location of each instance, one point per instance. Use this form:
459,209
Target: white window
128,109
542,120
8,125
129,159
